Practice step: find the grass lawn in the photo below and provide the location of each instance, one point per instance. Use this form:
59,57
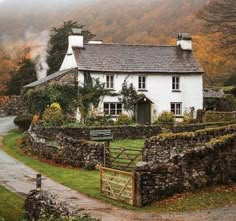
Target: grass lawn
130,144
88,182
11,205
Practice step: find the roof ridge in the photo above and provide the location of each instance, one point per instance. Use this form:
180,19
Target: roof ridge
132,44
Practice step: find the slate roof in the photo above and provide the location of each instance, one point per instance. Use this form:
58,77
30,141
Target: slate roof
49,77
136,59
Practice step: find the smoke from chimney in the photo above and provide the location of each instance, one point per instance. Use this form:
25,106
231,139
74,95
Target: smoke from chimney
38,53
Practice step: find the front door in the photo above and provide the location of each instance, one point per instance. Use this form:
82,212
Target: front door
144,112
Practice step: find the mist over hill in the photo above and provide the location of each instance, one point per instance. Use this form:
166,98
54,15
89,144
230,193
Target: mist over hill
118,20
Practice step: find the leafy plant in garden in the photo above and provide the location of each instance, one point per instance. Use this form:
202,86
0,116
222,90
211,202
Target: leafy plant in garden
38,100
166,117
124,119
89,94
189,115
53,115
128,97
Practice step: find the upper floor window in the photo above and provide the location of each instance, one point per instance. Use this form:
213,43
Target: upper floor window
142,81
176,108
110,81
175,83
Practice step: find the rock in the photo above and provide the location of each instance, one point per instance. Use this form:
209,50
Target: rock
43,201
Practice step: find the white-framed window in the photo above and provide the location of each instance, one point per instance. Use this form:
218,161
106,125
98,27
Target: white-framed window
113,109
175,83
110,81
142,82
176,108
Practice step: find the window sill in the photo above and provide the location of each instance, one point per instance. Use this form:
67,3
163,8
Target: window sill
143,90
178,116
109,89
178,91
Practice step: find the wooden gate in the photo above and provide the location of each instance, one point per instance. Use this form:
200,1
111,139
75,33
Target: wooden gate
122,158
118,185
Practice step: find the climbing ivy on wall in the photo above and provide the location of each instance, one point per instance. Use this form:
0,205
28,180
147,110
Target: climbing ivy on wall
37,100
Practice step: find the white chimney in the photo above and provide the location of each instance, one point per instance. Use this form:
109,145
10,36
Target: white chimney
184,41
74,40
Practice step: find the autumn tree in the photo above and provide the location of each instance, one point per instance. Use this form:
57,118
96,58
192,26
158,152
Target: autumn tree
220,17
59,43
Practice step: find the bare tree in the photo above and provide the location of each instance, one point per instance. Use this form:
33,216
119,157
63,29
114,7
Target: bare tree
220,17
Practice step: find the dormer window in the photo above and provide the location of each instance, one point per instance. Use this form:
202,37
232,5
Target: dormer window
142,81
175,83
110,81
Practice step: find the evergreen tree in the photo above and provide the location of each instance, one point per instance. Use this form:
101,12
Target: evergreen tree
59,43
25,75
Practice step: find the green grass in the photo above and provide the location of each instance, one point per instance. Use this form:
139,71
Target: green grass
203,199
130,144
11,205
88,182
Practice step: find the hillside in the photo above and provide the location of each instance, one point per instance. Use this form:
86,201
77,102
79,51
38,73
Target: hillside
138,21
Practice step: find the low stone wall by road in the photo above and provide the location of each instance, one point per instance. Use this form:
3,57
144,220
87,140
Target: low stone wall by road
119,132
191,168
67,150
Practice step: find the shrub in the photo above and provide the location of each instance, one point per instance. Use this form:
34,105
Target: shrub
53,115
166,117
99,121
23,122
189,115
124,120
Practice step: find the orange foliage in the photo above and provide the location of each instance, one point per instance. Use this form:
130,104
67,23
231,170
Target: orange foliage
3,100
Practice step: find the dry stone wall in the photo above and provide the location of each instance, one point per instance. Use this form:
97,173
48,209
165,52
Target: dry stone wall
67,150
119,132
166,146
183,162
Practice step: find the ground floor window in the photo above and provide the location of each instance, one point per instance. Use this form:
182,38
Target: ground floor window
176,108
112,109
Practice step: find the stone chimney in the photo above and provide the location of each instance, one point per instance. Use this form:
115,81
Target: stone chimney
184,41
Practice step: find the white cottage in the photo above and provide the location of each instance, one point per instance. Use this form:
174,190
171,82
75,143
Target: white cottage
170,77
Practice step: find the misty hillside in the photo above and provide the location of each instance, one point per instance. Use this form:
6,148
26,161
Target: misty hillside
118,21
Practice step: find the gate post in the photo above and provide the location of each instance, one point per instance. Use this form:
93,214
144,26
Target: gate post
138,190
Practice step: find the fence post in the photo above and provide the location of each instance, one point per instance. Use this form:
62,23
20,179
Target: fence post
38,181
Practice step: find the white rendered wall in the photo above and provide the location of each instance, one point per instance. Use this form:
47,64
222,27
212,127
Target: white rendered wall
159,90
